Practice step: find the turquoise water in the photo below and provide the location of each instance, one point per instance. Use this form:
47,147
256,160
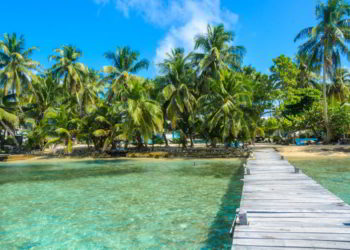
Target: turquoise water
118,204
332,173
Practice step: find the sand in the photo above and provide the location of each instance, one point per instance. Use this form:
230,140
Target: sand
315,151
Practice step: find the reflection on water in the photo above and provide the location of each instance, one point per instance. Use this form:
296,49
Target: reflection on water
332,173
119,204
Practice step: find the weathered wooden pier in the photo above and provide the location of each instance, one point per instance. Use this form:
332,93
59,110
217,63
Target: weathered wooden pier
285,209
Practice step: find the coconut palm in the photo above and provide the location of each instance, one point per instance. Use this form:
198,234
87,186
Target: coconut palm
143,116
109,127
306,78
59,126
124,61
178,77
68,69
216,52
224,106
16,67
89,93
327,41
9,122
340,87
45,93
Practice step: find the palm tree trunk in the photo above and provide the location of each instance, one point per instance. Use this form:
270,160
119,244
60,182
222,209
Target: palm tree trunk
191,139
11,132
126,143
165,140
325,104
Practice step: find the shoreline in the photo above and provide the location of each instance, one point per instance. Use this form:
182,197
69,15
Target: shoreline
43,159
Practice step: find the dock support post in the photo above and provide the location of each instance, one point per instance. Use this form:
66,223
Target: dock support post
296,170
243,218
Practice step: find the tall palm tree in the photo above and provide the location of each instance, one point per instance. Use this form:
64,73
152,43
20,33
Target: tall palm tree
124,61
178,77
16,67
327,41
216,52
68,69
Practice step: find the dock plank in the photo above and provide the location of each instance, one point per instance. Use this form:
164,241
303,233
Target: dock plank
288,210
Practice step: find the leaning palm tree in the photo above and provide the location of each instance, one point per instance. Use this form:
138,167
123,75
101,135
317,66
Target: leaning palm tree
9,122
68,69
16,67
216,52
124,61
327,41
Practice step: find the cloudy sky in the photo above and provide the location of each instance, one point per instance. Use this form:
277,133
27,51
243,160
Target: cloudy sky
265,27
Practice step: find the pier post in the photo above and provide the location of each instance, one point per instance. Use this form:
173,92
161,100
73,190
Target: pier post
243,218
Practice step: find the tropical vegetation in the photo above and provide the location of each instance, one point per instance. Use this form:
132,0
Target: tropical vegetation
207,93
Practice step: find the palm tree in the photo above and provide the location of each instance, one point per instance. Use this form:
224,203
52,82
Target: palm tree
59,126
45,93
89,93
142,116
68,69
216,51
109,128
16,67
224,106
340,87
178,76
125,61
327,41
9,122
306,78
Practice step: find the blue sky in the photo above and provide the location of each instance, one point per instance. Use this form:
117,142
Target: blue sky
265,27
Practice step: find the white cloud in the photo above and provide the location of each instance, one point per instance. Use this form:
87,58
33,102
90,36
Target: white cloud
184,19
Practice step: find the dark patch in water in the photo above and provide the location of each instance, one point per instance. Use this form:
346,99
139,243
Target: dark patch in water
51,172
216,170
29,245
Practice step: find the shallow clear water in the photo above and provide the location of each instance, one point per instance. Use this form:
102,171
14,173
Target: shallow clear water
119,204
332,173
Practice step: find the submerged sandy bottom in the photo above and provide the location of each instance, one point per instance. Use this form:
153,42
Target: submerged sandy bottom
118,204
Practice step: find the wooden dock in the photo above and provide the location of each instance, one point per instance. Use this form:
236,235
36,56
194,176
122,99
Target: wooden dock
288,210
